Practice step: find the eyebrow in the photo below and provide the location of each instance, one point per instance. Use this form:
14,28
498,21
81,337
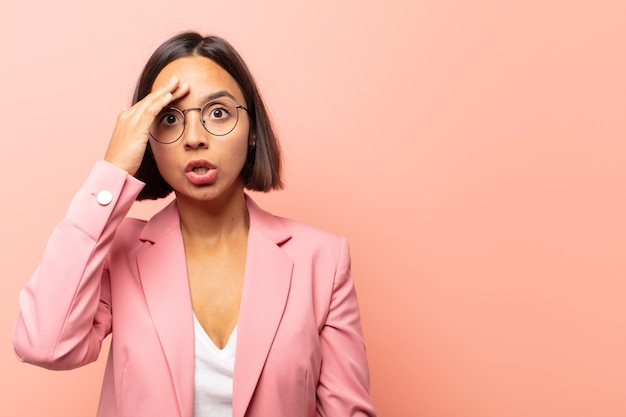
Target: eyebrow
210,97
219,94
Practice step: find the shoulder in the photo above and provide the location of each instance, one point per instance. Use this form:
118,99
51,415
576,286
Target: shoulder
288,232
132,226
300,229
312,243
128,234
160,224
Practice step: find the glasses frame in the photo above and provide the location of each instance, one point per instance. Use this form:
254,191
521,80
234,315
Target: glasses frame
202,121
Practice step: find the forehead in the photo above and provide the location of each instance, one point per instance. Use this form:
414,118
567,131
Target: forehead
204,76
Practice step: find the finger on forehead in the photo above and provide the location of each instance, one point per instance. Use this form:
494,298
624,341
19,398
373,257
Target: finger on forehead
165,85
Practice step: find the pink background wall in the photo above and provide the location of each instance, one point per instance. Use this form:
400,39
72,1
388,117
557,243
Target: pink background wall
473,152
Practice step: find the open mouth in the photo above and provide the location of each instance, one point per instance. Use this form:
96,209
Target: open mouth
200,170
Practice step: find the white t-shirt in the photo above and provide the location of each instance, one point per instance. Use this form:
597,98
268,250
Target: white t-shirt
213,377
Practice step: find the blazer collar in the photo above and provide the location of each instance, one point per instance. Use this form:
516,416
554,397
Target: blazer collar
266,223
267,281
162,223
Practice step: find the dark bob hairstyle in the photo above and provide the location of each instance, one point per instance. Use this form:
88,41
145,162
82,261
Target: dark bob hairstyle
261,171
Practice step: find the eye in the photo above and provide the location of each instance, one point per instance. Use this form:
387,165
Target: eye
218,112
169,118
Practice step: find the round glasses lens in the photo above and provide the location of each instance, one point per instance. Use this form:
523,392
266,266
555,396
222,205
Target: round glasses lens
168,125
220,116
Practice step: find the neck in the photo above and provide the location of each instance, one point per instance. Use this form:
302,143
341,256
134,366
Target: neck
211,222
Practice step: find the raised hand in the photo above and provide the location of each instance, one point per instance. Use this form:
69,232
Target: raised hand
131,133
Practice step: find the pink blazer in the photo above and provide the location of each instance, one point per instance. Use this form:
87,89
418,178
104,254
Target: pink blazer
300,349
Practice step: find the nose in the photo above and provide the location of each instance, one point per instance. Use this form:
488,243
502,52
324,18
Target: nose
194,135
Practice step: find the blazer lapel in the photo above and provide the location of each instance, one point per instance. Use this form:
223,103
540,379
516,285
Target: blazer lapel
163,273
266,288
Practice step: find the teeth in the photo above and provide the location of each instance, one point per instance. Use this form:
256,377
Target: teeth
201,170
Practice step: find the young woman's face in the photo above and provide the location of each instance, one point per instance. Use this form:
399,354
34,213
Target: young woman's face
202,166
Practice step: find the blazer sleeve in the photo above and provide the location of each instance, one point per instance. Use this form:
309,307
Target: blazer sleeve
344,383
65,308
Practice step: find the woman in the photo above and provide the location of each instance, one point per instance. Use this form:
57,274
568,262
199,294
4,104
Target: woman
216,307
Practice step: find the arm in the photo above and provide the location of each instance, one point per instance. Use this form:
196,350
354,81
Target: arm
65,308
344,380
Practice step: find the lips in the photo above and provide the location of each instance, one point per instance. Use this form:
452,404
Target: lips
200,172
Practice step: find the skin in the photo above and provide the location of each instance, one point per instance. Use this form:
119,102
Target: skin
213,216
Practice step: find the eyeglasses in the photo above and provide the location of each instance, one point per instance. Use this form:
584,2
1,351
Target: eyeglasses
219,118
